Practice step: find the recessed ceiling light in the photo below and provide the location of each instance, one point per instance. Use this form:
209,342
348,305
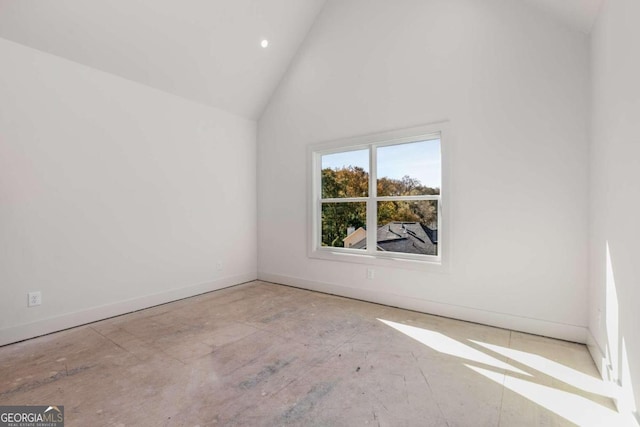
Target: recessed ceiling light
264,43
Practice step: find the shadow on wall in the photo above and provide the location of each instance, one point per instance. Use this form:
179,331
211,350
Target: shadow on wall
576,396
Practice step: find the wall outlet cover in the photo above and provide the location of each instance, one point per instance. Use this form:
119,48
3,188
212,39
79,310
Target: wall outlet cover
35,298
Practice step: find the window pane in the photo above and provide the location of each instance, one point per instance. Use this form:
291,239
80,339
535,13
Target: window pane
409,169
408,227
343,225
345,174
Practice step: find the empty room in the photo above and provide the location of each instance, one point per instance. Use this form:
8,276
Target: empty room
319,213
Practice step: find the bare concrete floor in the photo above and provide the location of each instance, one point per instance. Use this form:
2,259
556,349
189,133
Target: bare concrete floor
265,355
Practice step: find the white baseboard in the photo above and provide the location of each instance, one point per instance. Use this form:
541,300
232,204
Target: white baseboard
598,356
69,320
501,320
632,418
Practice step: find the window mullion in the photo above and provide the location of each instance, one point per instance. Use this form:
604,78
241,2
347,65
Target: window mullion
372,205
408,198
344,200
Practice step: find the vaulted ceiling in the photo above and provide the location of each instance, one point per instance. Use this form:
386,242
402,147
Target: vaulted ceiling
204,50
578,14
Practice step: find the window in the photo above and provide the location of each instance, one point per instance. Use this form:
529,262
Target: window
379,198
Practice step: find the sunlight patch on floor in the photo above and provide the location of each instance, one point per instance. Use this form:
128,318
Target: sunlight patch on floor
577,409
443,344
553,369
573,407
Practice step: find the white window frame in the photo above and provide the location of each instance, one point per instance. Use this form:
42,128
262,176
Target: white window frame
439,262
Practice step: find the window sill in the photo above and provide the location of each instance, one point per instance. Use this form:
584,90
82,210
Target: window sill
431,265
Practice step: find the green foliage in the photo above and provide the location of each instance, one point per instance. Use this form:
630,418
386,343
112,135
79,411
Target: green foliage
424,212
338,217
354,182
351,181
406,186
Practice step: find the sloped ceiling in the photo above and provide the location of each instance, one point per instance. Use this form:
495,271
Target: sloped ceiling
205,50
578,14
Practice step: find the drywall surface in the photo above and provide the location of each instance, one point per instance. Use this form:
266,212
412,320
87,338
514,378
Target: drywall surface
513,85
114,196
203,50
615,205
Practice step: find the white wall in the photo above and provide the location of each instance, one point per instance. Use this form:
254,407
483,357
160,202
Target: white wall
615,196
514,85
114,196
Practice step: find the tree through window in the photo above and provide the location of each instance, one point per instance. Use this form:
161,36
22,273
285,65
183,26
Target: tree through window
381,198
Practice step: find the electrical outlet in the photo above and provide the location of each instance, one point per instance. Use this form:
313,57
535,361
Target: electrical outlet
34,298
371,273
